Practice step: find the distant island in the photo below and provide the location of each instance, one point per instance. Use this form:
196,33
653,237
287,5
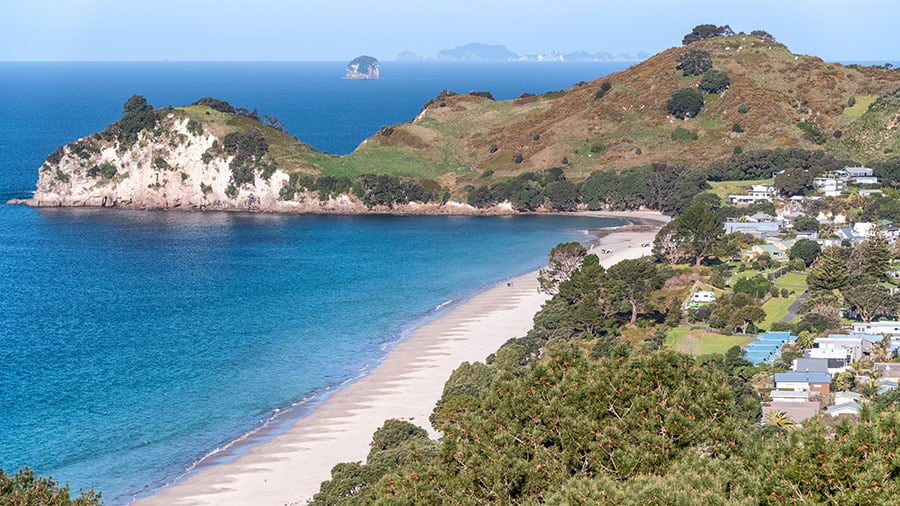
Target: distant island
478,52
363,67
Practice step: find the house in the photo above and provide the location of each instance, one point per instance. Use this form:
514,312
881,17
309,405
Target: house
699,298
847,408
847,347
887,369
885,385
811,235
815,382
858,175
830,186
758,229
767,347
789,395
760,217
773,251
797,411
762,190
746,200
850,234
885,328
869,193
810,365
842,397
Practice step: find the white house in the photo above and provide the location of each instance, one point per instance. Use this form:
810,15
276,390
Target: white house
703,296
746,200
844,397
847,408
829,186
888,328
789,395
815,382
848,347
762,190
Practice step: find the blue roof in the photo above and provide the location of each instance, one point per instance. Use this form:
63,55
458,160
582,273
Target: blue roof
776,335
810,377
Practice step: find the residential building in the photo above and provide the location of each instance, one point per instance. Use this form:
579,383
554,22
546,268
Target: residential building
797,412
810,365
830,186
756,229
885,328
838,346
814,382
846,408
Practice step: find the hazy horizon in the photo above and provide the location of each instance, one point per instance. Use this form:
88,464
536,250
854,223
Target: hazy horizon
279,30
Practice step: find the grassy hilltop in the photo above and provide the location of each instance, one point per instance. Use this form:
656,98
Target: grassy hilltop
771,91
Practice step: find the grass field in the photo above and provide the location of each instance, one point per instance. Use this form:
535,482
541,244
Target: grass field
795,281
725,188
699,342
860,107
776,309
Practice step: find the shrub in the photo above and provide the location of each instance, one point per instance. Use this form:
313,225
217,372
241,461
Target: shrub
482,94
596,147
682,135
565,160
517,158
494,148
536,137
386,131
105,170
487,173
851,101
693,62
737,150
714,81
604,89
736,128
837,134
216,105
813,133
195,127
743,109
685,103
138,116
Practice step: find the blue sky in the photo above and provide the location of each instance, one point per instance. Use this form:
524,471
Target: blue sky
338,30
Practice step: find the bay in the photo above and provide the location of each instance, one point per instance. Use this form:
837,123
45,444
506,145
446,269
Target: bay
132,343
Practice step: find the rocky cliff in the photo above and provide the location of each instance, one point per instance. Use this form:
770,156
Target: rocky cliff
363,67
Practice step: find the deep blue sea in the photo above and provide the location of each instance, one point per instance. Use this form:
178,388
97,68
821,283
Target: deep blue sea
134,343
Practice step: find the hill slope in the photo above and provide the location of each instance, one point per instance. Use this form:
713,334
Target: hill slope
775,99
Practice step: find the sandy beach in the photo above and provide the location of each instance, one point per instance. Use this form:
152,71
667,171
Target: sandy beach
289,468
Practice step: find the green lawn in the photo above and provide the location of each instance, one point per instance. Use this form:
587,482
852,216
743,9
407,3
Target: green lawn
860,107
699,342
725,188
776,308
795,281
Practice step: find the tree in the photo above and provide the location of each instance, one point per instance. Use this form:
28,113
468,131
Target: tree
746,315
565,259
666,245
762,34
697,231
870,301
25,488
806,250
694,62
794,181
685,103
706,31
780,419
562,195
872,258
138,116
633,281
829,271
714,81
757,286
806,223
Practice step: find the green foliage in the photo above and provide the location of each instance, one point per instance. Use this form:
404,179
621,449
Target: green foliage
714,81
694,62
757,286
468,382
138,116
830,271
565,259
517,158
216,105
685,103
794,181
384,190
762,34
870,301
632,280
604,89
806,250
706,31
105,170
806,223
872,258
194,127
681,134
736,128
759,164
743,109
697,230
561,195
25,488
812,133
248,148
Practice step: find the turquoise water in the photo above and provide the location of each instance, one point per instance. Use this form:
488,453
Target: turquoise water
132,343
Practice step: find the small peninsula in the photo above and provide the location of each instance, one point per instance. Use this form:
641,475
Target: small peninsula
363,68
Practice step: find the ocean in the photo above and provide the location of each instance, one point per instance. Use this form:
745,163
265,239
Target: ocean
134,343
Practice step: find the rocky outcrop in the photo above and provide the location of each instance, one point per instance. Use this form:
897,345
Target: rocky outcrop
363,67
172,166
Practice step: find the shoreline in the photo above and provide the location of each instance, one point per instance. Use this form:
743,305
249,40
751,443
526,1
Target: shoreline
287,466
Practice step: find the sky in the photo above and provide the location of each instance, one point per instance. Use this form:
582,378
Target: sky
339,30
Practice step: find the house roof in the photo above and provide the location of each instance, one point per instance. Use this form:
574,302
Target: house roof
811,365
843,409
802,377
771,336
848,395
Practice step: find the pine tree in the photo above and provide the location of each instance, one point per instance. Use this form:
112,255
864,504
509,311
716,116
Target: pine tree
874,257
830,271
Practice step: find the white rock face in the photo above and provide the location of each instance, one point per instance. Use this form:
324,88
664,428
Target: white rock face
155,173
